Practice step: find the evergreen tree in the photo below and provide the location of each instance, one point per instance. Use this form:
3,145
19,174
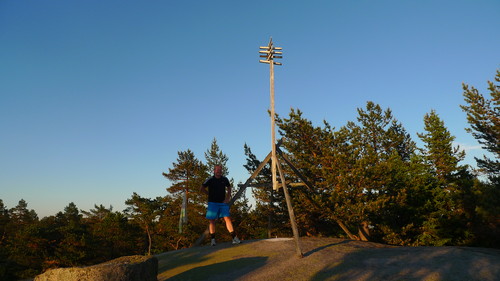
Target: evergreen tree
483,115
187,175
22,241
111,234
97,214
72,249
145,212
169,237
21,215
6,266
358,172
309,148
446,220
214,157
440,153
4,220
381,152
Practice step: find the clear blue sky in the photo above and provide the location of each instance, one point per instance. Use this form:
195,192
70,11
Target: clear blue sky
97,97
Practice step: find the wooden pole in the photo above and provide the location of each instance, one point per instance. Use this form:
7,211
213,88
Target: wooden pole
273,133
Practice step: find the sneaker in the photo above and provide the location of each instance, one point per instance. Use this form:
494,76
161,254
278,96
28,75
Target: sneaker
212,242
236,240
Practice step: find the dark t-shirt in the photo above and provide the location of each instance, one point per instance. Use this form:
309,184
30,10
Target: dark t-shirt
216,189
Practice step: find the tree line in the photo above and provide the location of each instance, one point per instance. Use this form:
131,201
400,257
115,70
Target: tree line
368,181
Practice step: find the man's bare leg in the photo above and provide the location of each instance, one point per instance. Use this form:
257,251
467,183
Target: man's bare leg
229,224
211,226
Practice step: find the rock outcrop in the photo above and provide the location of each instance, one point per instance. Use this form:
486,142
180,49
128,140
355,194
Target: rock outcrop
129,268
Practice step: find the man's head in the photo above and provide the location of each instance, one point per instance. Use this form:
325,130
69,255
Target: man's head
218,171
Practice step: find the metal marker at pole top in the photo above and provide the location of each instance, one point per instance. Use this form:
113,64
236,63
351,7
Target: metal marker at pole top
269,53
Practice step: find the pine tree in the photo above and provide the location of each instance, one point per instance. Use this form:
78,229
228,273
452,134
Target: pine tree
451,183
145,212
359,172
440,153
4,221
215,157
73,248
483,115
381,151
168,234
22,215
311,148
112,235
6,266
187,175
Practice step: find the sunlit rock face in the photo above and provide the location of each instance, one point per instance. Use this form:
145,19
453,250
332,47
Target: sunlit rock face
129,268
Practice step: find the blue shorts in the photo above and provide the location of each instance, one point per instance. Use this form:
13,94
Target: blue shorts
217,210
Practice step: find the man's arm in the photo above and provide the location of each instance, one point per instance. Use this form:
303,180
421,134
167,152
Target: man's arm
204,189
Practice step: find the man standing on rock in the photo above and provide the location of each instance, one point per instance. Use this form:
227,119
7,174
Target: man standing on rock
218,190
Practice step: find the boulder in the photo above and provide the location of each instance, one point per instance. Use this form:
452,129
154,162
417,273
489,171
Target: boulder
128,268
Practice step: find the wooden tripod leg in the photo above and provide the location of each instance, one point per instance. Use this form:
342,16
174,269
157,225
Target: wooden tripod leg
249,180
290,211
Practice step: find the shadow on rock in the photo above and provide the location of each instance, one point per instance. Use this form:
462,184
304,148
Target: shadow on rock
324,247
418,263
174,259
228,270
